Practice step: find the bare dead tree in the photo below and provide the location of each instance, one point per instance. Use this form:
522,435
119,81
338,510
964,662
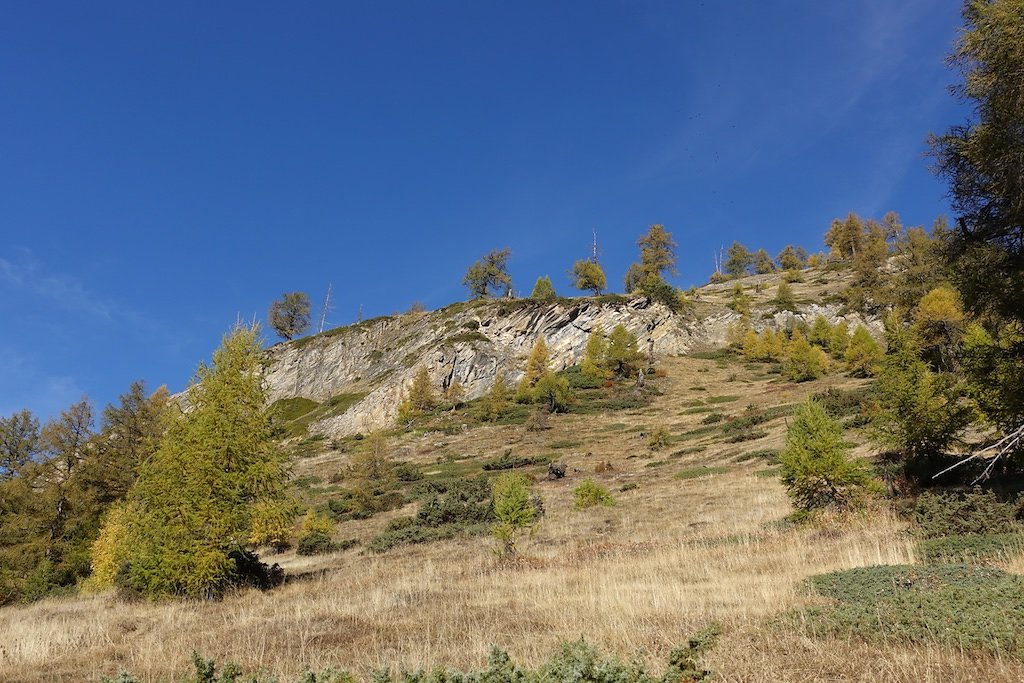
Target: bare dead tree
1002,448
326,309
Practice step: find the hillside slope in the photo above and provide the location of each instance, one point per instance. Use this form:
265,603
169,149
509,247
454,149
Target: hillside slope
372,361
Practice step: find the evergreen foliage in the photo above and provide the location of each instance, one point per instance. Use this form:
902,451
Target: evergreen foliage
553,392
489,274
919,266
981,160
516,510
803,362
634,278
19,442
739,302
662,292
921,412
863,354
763,263
215,487
792,258
738,260
816,468
543,290
995,374
593,364
622,357
588,275
589,493
289,315
784,299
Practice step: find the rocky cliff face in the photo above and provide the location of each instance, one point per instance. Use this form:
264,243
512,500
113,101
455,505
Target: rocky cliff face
470,343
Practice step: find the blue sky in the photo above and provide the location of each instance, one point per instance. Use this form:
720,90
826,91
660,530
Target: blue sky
165,169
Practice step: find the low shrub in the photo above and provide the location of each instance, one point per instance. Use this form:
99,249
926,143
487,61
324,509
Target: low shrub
315,543
746,435
450,508
769,455
576,661
973,548
589,493
658,439
959,606
509,462
713,418
956,514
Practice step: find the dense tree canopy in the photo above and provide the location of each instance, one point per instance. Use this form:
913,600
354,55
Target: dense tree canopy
216,486
983,160
489,275
289,315
658,252
587,274
543,290
738,261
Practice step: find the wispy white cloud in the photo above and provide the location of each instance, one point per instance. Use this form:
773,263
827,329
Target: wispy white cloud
24,385
28,274
733,128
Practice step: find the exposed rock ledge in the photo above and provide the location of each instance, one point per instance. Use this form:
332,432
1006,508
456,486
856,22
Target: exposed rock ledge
470,343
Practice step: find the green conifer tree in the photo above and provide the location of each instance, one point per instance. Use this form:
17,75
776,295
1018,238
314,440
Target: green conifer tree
763,263
821,332
623,356
587,274
543,290
803,362
553,392
839,340
537,365
863,354
792,258
816,468
784,299
922,412
594,361
738,261
215,488
497,399
739,302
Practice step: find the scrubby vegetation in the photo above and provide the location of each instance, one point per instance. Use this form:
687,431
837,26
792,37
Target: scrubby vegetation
577,661
961,606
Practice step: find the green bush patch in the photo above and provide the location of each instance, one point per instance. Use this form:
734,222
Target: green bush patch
510,462
449,508
960,606
769,455
969,512
973,548
576,661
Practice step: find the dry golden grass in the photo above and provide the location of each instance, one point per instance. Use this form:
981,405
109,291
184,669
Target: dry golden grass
670,558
